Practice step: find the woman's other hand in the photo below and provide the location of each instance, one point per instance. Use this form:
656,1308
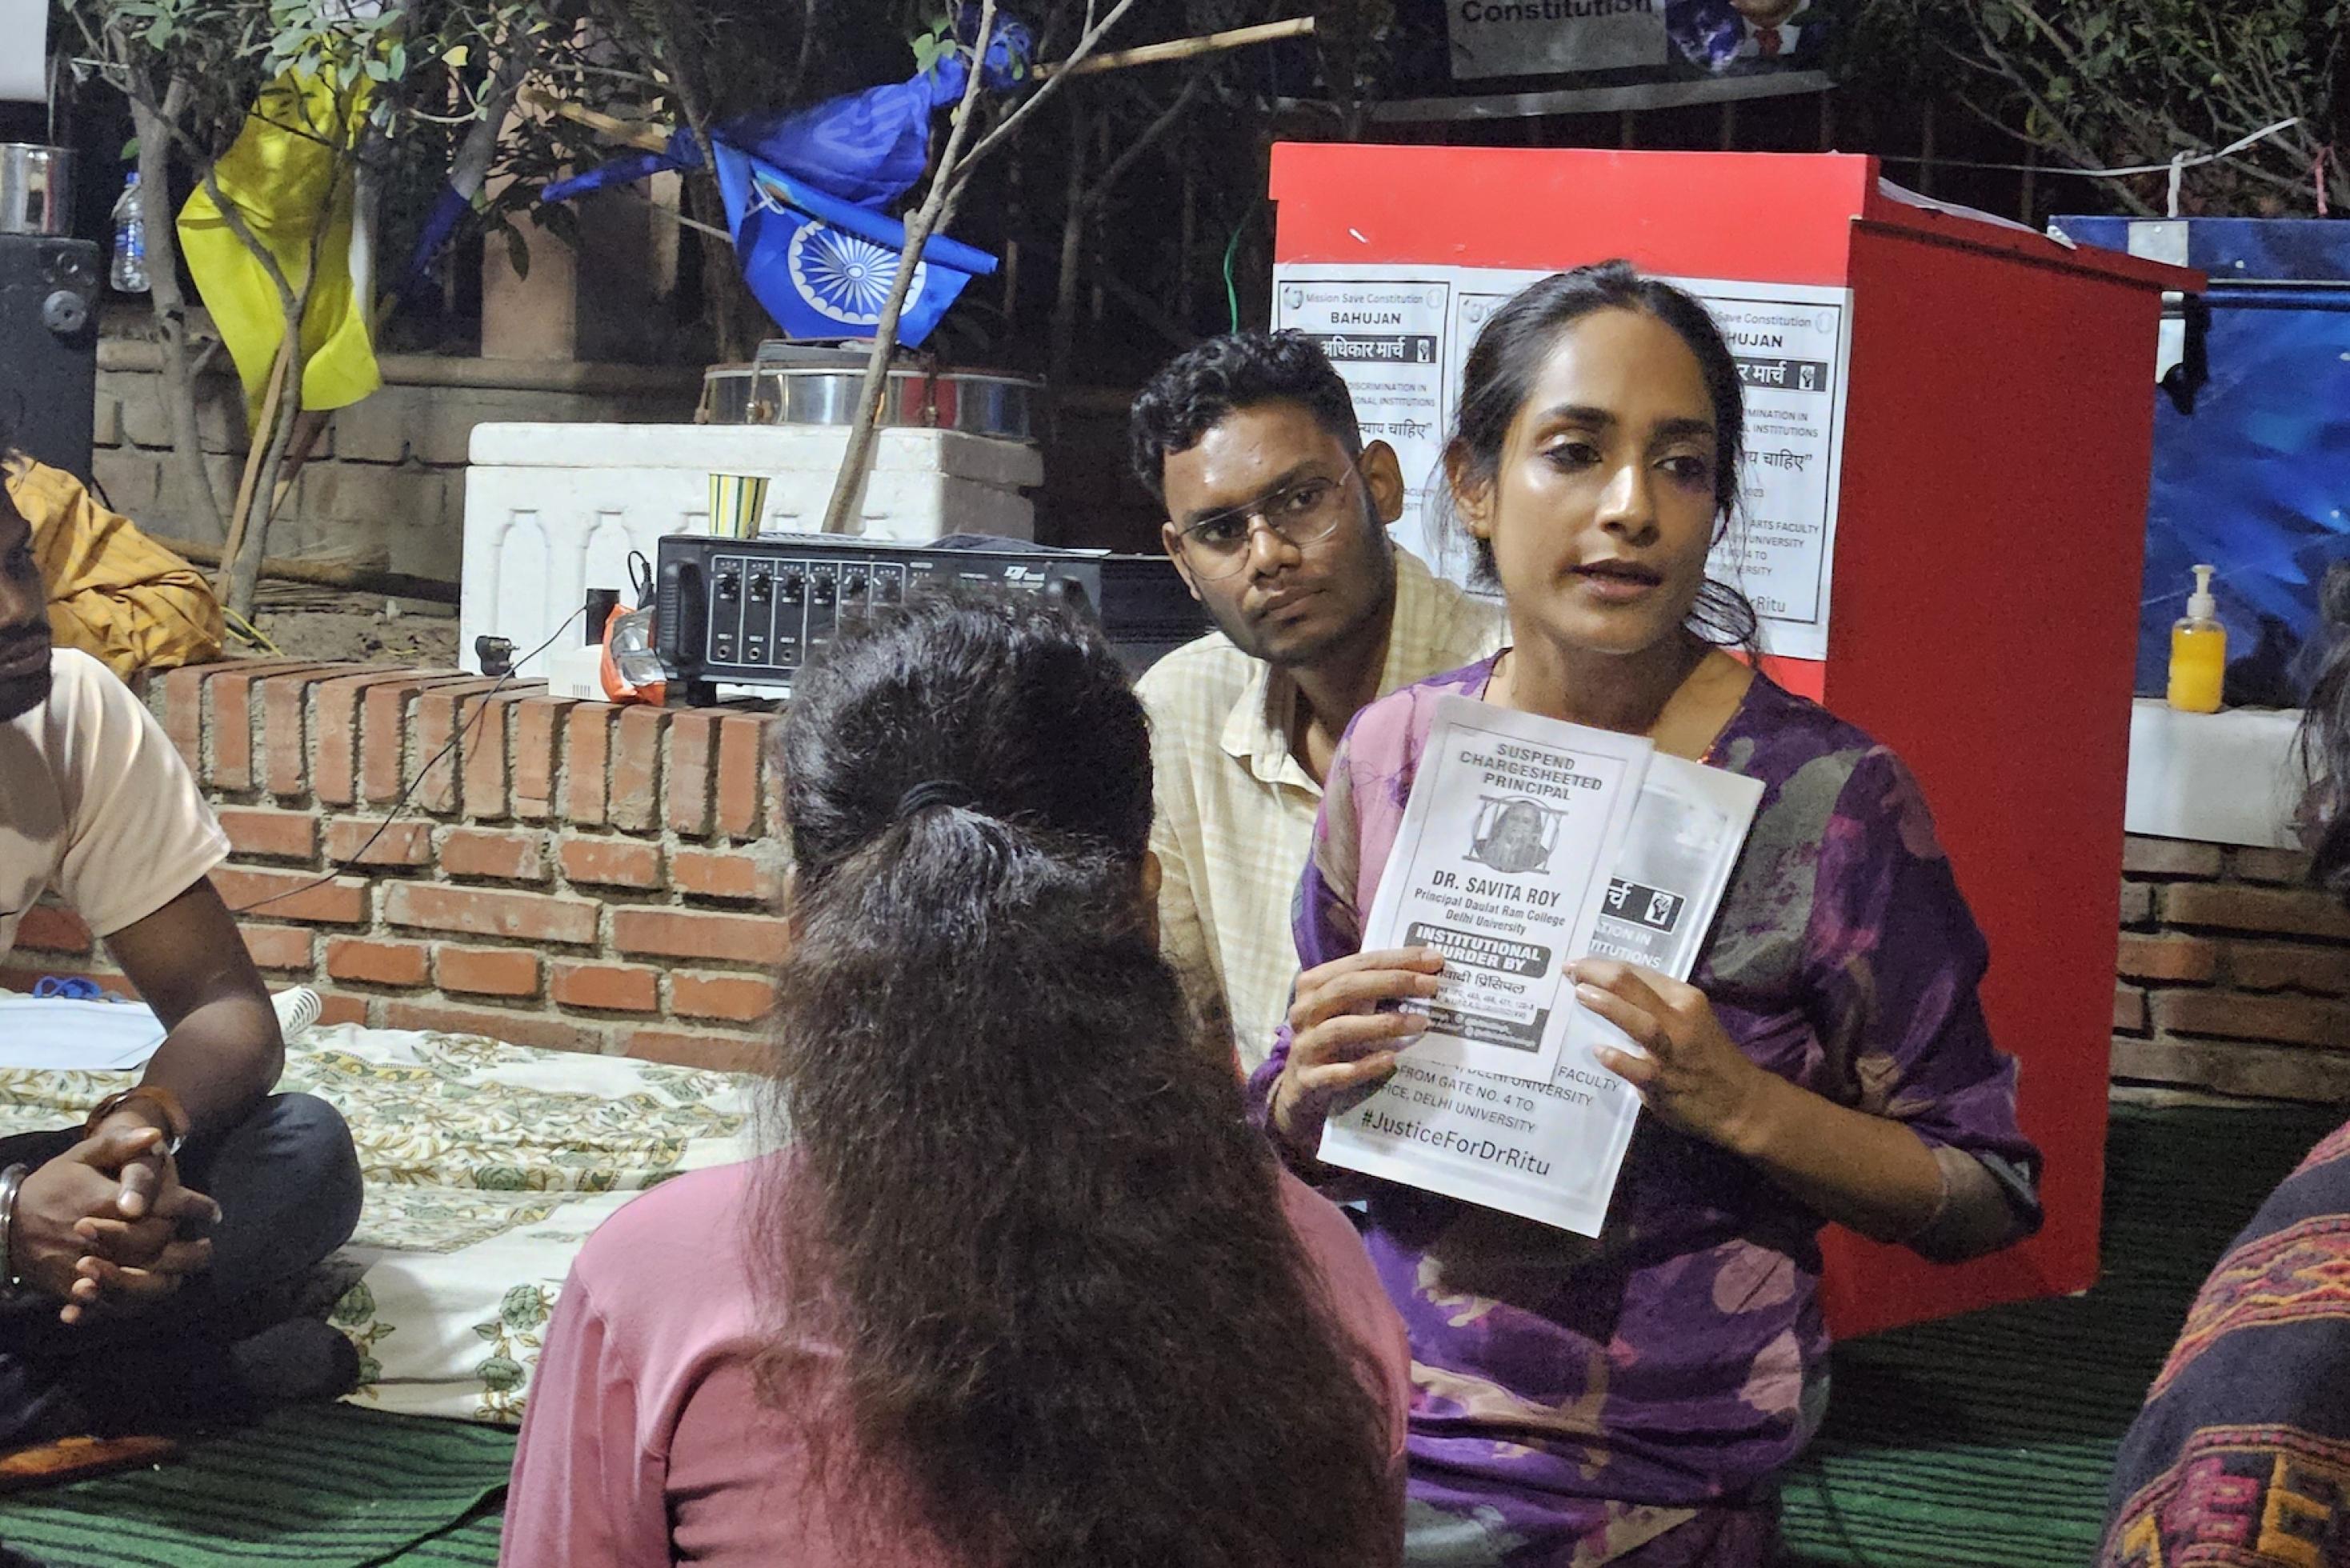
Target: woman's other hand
1693,1075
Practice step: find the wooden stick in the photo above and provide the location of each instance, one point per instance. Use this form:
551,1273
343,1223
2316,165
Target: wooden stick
651,139
1184,48
324,574
934,214
257,444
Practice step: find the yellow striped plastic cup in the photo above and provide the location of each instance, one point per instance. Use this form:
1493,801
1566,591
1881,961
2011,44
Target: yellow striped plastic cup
737,502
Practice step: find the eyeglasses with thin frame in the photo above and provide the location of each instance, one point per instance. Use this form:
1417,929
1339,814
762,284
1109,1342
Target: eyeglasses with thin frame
1303,512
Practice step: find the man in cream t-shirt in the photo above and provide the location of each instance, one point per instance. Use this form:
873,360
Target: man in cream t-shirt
144,1247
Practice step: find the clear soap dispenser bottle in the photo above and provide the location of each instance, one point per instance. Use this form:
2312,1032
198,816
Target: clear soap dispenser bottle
2199,651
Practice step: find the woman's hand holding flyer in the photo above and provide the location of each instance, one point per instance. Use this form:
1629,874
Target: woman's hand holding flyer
1342,1046
1529,847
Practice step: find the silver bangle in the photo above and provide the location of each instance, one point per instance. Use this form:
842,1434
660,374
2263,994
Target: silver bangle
11,1180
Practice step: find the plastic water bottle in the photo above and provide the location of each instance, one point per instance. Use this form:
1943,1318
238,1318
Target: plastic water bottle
129,274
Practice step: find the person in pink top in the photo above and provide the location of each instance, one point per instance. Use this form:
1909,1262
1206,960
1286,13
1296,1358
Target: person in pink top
1021,1287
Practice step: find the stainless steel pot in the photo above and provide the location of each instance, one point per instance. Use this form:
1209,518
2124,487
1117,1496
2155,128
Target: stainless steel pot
975,402
36,189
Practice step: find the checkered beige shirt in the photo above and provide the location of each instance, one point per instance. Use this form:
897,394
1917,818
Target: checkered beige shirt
1236,808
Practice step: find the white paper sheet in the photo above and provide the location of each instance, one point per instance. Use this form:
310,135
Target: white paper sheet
1513,824
24,51
54,1034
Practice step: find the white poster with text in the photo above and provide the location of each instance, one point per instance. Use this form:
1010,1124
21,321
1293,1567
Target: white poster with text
1793,346
1513,824
1386,337
1547,38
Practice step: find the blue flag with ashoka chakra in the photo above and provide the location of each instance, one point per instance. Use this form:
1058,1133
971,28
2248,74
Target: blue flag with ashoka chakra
823,267
803,191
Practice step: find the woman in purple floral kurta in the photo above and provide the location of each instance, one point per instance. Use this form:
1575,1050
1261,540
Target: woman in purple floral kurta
1628,1400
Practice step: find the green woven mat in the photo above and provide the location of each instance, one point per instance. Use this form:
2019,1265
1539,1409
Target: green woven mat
1987,1441
474,1543
324,1487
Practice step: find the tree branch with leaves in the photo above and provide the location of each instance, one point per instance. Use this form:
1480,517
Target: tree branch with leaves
948,180
372,90
2124,83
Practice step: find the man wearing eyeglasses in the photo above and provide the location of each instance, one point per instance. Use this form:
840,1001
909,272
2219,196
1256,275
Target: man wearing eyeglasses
1276,516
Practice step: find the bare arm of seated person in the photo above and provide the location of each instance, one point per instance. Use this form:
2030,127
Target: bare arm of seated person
108,1220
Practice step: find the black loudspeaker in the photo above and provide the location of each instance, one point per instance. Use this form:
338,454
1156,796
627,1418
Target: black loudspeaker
49,349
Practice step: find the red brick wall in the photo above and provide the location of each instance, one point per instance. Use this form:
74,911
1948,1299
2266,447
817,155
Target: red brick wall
598,878
573,874
2233,975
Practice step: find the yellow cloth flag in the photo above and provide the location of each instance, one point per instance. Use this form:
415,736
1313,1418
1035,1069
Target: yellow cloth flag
279,180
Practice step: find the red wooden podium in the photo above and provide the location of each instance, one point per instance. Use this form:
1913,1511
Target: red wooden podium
1996,445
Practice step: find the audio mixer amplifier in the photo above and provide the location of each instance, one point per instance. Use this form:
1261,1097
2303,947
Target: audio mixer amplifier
750,612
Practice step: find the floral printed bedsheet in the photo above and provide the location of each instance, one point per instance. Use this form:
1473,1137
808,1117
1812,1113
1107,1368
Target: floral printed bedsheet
487,1166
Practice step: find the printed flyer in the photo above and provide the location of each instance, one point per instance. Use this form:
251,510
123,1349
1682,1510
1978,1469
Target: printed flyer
1385,340
1455,1118
1514,823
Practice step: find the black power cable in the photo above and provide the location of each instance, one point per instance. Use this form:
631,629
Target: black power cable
481,713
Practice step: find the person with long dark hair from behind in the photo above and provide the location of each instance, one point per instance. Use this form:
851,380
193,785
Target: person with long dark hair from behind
2242,1450
1024,1288
1631,1399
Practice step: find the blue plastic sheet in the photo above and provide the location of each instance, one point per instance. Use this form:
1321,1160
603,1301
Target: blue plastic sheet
2251,465
866,147
2256,480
